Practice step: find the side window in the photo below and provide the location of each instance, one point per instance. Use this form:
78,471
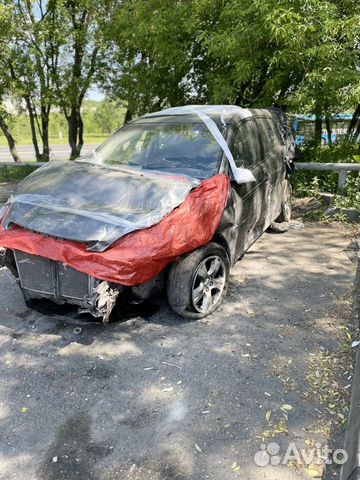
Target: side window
247,145
269,133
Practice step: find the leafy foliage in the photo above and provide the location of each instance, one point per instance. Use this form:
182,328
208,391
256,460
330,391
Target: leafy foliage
153,54
51,56
308,183
149,54
100,118
352,197
298,55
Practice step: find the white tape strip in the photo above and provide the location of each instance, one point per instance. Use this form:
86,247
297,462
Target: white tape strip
241,175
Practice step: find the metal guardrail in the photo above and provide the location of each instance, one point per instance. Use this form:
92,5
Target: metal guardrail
342,168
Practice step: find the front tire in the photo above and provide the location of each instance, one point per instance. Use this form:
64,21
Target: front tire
198,282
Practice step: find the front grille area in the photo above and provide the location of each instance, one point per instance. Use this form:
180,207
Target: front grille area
50,278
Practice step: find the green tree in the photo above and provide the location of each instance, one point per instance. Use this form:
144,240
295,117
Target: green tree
5,81
55,53
27,60
82,59
296,55
153,55
108,117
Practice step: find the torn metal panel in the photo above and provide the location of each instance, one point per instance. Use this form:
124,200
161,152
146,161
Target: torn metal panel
93,204
102,300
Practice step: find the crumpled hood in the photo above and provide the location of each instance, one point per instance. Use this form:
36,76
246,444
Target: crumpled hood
94,204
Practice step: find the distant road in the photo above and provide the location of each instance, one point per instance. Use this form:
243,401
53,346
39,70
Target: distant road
58,152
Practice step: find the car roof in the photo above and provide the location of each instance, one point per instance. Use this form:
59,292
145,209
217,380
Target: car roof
221,114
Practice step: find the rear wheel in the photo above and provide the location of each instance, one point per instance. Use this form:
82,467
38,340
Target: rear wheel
281,224
198,282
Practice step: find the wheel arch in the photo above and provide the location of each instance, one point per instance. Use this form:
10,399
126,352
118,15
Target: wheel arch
221,240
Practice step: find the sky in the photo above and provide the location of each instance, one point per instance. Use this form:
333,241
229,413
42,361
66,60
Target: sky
95,94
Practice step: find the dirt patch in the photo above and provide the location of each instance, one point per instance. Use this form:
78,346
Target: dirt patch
306,206
179,399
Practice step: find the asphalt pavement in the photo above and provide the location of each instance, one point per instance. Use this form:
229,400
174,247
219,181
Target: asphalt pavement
154,397
27,154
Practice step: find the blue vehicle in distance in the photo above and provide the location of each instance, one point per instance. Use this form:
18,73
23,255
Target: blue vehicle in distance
304,127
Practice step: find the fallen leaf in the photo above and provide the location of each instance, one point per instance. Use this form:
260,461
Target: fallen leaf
315,470
197,447
268,415
24,409
172,365
236,469
286,407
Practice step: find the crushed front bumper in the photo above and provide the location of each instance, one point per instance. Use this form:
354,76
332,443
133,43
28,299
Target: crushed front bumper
40,277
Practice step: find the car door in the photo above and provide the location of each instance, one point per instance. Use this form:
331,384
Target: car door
274,150
250,198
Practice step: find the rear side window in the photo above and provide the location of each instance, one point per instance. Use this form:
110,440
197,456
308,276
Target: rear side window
269,133
247,146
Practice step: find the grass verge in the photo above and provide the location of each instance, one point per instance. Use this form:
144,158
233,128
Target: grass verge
15,174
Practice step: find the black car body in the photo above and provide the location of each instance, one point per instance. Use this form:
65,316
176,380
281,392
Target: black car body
78,202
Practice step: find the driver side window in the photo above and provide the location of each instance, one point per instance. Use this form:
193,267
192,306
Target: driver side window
247,146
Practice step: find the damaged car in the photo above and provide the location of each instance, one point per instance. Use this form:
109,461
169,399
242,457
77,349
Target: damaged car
169,202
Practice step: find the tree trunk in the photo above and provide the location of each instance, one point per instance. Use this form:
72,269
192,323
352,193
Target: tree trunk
33,129
75,132
10,139
356,133
72,134
80,132
353,126
318,129
45,134
328,129
128,116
